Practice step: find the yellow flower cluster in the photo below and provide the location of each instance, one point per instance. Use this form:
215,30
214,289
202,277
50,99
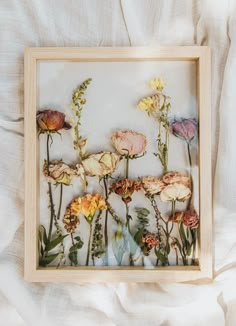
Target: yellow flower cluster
88,205
157,84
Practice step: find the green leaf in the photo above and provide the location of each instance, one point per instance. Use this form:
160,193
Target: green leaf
52,244
188,248
138,236
73,256
42,234
79,243
182,234
161,256
44,261
142,211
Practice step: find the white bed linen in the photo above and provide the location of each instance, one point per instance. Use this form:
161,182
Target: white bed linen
25,23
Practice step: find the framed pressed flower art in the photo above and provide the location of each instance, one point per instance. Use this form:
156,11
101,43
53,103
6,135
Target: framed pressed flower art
117,164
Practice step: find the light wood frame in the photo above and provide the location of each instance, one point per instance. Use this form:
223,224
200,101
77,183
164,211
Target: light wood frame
204,272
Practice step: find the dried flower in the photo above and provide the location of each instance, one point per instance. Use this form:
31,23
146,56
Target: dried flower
175,191
149,241
71,221
185,129
152,185
157,84
191,219
125,188
176,177
100,164
155,103
178,217
88,205
51,121
129,143
58,172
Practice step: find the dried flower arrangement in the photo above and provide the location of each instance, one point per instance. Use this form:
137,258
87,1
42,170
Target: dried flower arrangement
175,233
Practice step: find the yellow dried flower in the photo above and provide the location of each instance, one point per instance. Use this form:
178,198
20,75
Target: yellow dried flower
157,84
146,104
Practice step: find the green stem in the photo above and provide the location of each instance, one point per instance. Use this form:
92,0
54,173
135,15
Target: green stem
176,257
59,208
106,220
88,250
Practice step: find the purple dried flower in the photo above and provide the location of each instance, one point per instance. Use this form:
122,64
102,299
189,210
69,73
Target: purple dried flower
185,129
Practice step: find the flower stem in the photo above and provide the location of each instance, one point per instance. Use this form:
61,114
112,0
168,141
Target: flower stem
127,167
194,239
127,216
53,215
190,175
106,220
72,239
59,208
88,250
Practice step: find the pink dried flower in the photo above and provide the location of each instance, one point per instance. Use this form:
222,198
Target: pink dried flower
176,177
184,129
128,142
191,219
152,185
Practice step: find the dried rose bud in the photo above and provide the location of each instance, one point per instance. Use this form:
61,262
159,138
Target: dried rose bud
191,219
185,129
49,120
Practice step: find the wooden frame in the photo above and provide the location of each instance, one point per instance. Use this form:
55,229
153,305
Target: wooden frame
118,274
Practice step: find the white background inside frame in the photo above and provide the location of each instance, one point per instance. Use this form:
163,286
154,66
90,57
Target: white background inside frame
112,98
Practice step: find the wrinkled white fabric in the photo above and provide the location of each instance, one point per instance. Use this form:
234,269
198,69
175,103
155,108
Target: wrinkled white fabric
26,23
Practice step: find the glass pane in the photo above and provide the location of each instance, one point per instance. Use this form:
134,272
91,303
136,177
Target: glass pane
121,186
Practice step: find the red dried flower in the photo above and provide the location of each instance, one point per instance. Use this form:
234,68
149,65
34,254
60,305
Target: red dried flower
125,188
49,120
191,219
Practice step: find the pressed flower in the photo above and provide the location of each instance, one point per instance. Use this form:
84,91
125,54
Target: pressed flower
178,217
175,191
184,128
125,188
88,205
100,164
176,177
71,221
58,172
191,219
51,121
129,143
148,241
156,103
152,185
157,84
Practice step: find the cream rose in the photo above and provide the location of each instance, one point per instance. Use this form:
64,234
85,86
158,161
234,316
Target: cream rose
100,164
58,172
175,191
128,142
